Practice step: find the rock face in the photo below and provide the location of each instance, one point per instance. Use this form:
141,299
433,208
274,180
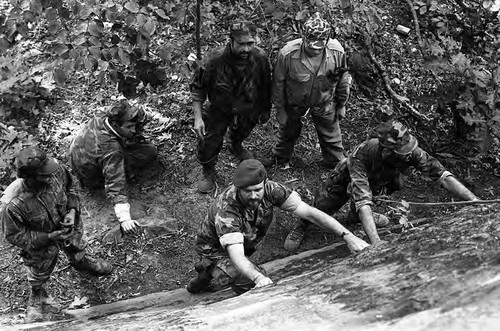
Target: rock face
444,275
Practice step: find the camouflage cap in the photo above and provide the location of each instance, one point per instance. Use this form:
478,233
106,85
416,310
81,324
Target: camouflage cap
35,161
317,31
122,111
396,136
240,27
249,172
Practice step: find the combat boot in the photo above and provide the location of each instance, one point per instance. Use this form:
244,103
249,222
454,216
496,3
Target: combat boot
207,183
38,297
273,160
96,267
295,237
239,151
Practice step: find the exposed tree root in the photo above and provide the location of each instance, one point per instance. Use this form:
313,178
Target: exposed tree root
415,22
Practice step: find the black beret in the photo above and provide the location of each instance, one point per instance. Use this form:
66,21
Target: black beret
249,172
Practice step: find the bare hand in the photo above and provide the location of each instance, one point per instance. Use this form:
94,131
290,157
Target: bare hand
263,281
340,112
69,219
60,235
281,116
199,128
130,226
354,243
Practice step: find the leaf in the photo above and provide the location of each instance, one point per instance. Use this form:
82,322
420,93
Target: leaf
53,27
81,28
79,303
165,52
160,12
130,20
96,28
28,16
124,56
51,14
101,78
95,50
85,12
132,6
148,28
90,63
59,76
141,19
95,41
4,44
60,49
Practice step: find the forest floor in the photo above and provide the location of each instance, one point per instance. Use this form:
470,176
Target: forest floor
169,207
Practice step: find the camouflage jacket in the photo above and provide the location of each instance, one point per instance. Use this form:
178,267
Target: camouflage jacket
369,174
98,153
297,84
31,215
228,221
234,90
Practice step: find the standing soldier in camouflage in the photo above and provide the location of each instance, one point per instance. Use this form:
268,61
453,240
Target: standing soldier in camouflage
108,151
375,167
42,217
236,223
236,79
310,77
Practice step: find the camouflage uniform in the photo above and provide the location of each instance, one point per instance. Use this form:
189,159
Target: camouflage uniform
227,220
238,98
365,174
299,89
99,156
29,217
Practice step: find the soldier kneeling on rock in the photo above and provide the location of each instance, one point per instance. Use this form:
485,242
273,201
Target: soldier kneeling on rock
375,168
40,214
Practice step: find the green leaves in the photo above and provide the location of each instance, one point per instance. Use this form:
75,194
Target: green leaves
132,6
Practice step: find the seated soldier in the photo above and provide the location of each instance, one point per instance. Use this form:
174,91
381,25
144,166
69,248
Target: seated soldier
374,168
108,150
238,220
40,214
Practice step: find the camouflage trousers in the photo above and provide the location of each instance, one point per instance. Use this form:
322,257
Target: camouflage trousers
222,273
137,157
217,122
40,263
327,127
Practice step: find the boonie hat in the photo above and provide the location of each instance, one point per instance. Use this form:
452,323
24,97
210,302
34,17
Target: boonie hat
35,161
394,135
249,172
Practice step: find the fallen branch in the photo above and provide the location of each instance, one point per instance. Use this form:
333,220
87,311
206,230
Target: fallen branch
415,22
382,72
436,204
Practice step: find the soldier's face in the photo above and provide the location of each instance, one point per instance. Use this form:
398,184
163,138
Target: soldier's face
128,129
251,196
242,45
44,179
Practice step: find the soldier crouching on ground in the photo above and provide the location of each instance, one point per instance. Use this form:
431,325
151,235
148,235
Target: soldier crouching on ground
374,168
41,215
238,220
108,151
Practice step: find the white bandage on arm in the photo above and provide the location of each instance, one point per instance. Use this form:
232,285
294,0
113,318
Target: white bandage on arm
122,211
445,175
231,239
292,202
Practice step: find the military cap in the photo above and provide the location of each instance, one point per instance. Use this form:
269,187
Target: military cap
317,31
240,27
249,172
33,160
394,135
122,111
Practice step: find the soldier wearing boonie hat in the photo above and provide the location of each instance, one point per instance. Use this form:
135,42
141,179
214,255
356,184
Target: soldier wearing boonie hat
236,80
236,223
41,215
375,167
311,77
110,149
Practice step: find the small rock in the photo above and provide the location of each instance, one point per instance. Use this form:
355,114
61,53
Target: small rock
396,81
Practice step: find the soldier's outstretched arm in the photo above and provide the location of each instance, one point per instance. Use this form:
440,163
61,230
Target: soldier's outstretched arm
327,222
366,216
453,185
245,266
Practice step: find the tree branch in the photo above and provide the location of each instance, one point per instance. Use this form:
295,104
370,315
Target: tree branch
437,204
415,22
381,70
